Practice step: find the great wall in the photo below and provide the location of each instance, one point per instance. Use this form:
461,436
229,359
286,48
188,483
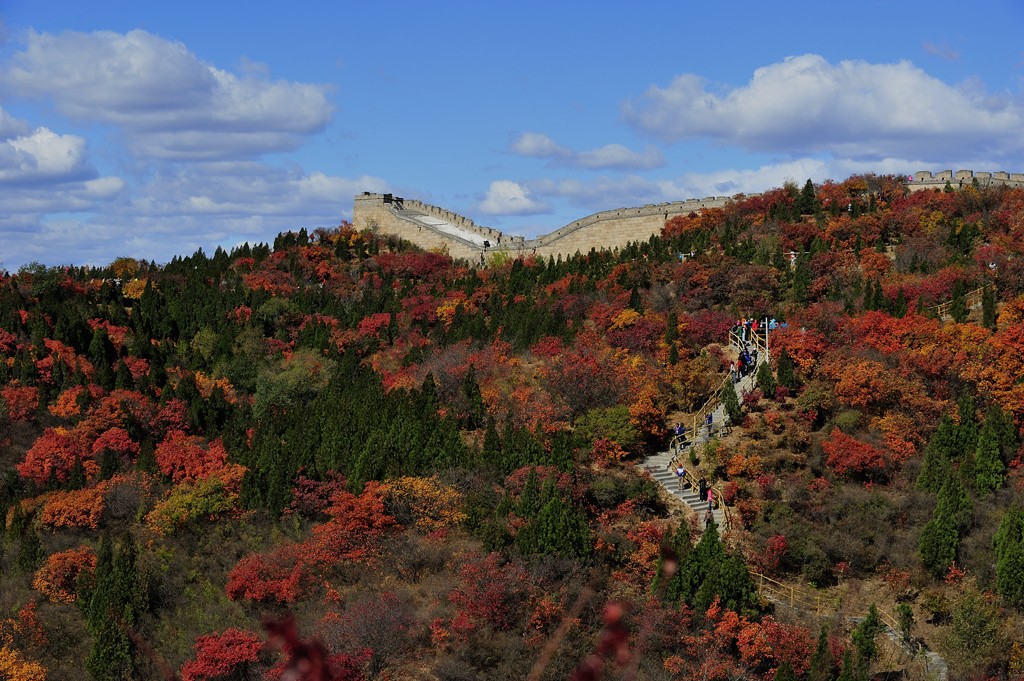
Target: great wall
431,227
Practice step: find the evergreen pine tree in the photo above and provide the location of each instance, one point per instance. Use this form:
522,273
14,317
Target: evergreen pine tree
474,401
988,308
785,370
491,450
958,306
731,402
113,609
989,470
765,380
1009,549
784,672
30,551
680,545
821,668
671,328
807,202
864,641
802,278
848,671
939,542
899,308
942,447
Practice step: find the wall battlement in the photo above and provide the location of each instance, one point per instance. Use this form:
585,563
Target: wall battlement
433,227
924,179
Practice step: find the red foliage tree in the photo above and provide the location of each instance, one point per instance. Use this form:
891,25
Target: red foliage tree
287,572
184,458
21,400
490,592
225,655
115,440
849,456
52,457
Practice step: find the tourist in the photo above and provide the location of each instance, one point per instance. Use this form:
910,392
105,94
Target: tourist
680,476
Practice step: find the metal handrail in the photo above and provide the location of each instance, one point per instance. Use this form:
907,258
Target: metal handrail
794,594
971,299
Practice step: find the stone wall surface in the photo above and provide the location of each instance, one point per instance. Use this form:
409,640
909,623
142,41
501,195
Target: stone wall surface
609,229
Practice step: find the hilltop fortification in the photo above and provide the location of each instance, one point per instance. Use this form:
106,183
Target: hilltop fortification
433,227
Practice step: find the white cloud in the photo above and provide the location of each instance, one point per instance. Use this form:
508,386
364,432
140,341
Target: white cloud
11,126
855,109
43,155
601,193
505,197
610,156
167,102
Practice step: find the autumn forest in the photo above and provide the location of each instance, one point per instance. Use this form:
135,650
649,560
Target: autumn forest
338,456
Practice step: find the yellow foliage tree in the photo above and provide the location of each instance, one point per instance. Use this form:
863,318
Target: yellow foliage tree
432,504
14,668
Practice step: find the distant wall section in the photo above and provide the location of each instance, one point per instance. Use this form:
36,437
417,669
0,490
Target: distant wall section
395,216
432,227
924,179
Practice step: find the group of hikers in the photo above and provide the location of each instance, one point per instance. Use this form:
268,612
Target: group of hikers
704,491
744,364
746,327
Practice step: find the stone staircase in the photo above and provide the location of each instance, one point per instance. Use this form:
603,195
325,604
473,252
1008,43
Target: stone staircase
661,466
661,469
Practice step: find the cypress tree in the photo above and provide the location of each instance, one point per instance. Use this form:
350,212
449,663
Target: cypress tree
1009,549
784,672
958,306
989,470
848,672
785,370
113,609
942,448
940,539
988,308
802,278
474,401
899,308
807,202
821,668
680,546
864,640
30,551
491,451
765,380
731,402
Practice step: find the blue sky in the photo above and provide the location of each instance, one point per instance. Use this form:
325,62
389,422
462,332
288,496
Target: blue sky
152,129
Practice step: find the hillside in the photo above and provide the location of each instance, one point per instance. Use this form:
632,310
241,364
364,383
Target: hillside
342,455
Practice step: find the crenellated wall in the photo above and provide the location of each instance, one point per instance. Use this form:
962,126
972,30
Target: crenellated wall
924,179
390,215
610,229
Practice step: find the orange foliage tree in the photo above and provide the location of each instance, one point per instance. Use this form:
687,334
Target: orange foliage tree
74,508
59,577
